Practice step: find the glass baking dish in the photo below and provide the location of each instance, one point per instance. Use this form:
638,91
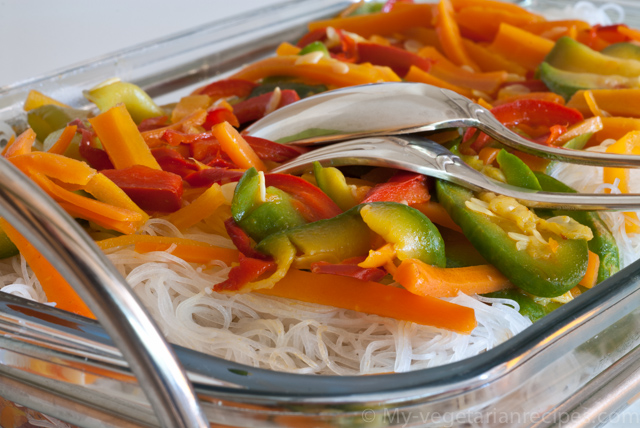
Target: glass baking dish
576,363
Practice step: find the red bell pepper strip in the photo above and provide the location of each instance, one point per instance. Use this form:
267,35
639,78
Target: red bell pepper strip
97,158
271,151
207,177
150,189
610,33
348,48
529,112
255,108
314,204
403,187
153,123
227,88
399,60
247,271
220,115
242,241
312,36
349,268
175,138
172,161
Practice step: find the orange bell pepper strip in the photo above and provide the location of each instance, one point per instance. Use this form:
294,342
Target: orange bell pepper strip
424,35
188,105
485,22
373,298
121,139
616,102
426,280
488,60
521,47
202,207
629,144
417,75
60,146
287,49
449,36
591,277
541,28
37,99
384,24
614,128
56,166
327,71
20,145
444,69
631,33
53,284
232,143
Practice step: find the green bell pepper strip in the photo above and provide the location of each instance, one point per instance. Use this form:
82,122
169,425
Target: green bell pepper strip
316,46
49,118
516,172
603,242
332,182
348,235
528,307
138,103
549,276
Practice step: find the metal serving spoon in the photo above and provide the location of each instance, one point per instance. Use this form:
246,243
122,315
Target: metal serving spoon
426,157
402,108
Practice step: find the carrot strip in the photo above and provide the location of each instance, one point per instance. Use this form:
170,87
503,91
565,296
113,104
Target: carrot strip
121,139
191,253
426,280
53,284
591,277
373,298
202,207
20,145
37,99
449,36
384,24
437,214
60,146
415,74
232,143
521,47
327,71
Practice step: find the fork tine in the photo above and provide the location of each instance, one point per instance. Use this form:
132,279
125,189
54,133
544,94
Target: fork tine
429,158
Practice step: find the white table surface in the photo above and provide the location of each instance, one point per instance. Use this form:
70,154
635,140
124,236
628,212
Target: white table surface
38,37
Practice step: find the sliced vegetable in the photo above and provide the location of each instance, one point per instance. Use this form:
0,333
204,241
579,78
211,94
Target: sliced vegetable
139,105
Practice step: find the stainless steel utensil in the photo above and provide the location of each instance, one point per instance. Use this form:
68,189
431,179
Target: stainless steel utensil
395,108
426,157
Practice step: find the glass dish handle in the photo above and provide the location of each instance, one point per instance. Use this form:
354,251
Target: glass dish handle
65,245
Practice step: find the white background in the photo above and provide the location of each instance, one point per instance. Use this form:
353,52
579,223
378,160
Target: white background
40,37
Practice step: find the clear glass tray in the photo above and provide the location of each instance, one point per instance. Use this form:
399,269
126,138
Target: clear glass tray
67,367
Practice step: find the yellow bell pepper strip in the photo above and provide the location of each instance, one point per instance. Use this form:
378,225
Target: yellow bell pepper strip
488,60
122,226
287,49
521,47
482,24
417,75
202,207
332,182
121,139
153,137
232,143
383,256
627,145
616,102
373,298
139,105
326,71
591,277
20,145
449,36
188,105
37,99
384,24
61,145
53,284
426,280
105,190
444,69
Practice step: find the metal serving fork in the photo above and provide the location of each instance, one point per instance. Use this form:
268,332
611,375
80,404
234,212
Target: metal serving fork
402,108
426,157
